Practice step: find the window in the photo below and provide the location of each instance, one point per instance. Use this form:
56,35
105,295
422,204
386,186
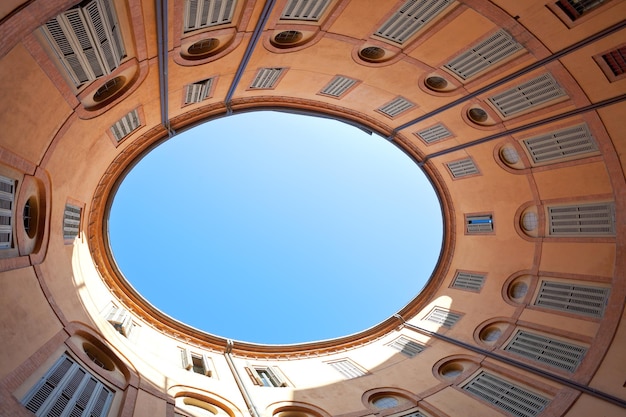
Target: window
407,346
528,95
266,78
509,397
266,376
561,144
468,281
410,18
71,221
121,320
206,13
479,223
574,298
484,55
616,60
596,219
126,125
338,86
347,368
395,107
7,196
576,8
87,40
462,168
310,10
70,390
198,91
434,133
443,317
540,348
196,362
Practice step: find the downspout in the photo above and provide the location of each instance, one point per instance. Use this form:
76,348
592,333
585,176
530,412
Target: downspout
242,388
161,17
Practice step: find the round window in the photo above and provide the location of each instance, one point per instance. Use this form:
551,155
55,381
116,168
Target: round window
109,89
372,53
203,47
288,37
436,83
477,115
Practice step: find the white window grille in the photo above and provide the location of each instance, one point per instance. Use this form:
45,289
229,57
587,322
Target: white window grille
511,398
576,8
443,317
266,78
86,40
482,223
197,362
434,133
71,221
68,389
338,86
468,281
347,368
126,125
121,320
266,376
462,168
7,196
484,55
310,10
530,94
407,346
586,300
563,143
596,219
395,107
206,13
549,351
198,91
410,18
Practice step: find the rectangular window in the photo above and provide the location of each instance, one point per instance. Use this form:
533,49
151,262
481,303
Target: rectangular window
410,18
462,168
479,223
196,362
310,10
395,107
443,317
206,13
407,346
266,376
71,221
126,125
616,60
121,320
266,78
546,350
596,219
511,398
338,86
70,390
576,8
347,368
561,144
528,95
468,281
434,133
87,40
7,195
198,91
586,300
484,55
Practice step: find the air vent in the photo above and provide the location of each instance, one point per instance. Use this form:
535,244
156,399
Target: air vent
616,60
196,92
528,95
468,281
564,143
346,368
511,398
443,317
71,221
126,125
487,53
206,13
86,40
410,18
573,298
407,346
338,86
479,223
462,168
546,350
434,133
597,219
310,10
266,78
395,107
7,195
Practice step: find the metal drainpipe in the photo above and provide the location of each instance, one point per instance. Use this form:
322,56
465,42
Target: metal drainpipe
161,17
244,392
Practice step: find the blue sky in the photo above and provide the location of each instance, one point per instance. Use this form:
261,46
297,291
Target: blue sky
276,228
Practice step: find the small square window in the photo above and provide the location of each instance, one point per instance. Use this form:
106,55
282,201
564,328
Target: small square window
266,376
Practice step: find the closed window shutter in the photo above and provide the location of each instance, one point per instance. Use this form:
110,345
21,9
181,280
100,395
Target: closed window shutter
410,18
308,10
547,350
7,195
575,298
560,144
206,13
528,95
596,219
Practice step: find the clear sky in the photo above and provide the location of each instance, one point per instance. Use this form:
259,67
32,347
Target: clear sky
275,228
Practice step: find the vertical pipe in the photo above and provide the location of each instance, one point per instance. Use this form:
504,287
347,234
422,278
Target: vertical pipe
242,388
